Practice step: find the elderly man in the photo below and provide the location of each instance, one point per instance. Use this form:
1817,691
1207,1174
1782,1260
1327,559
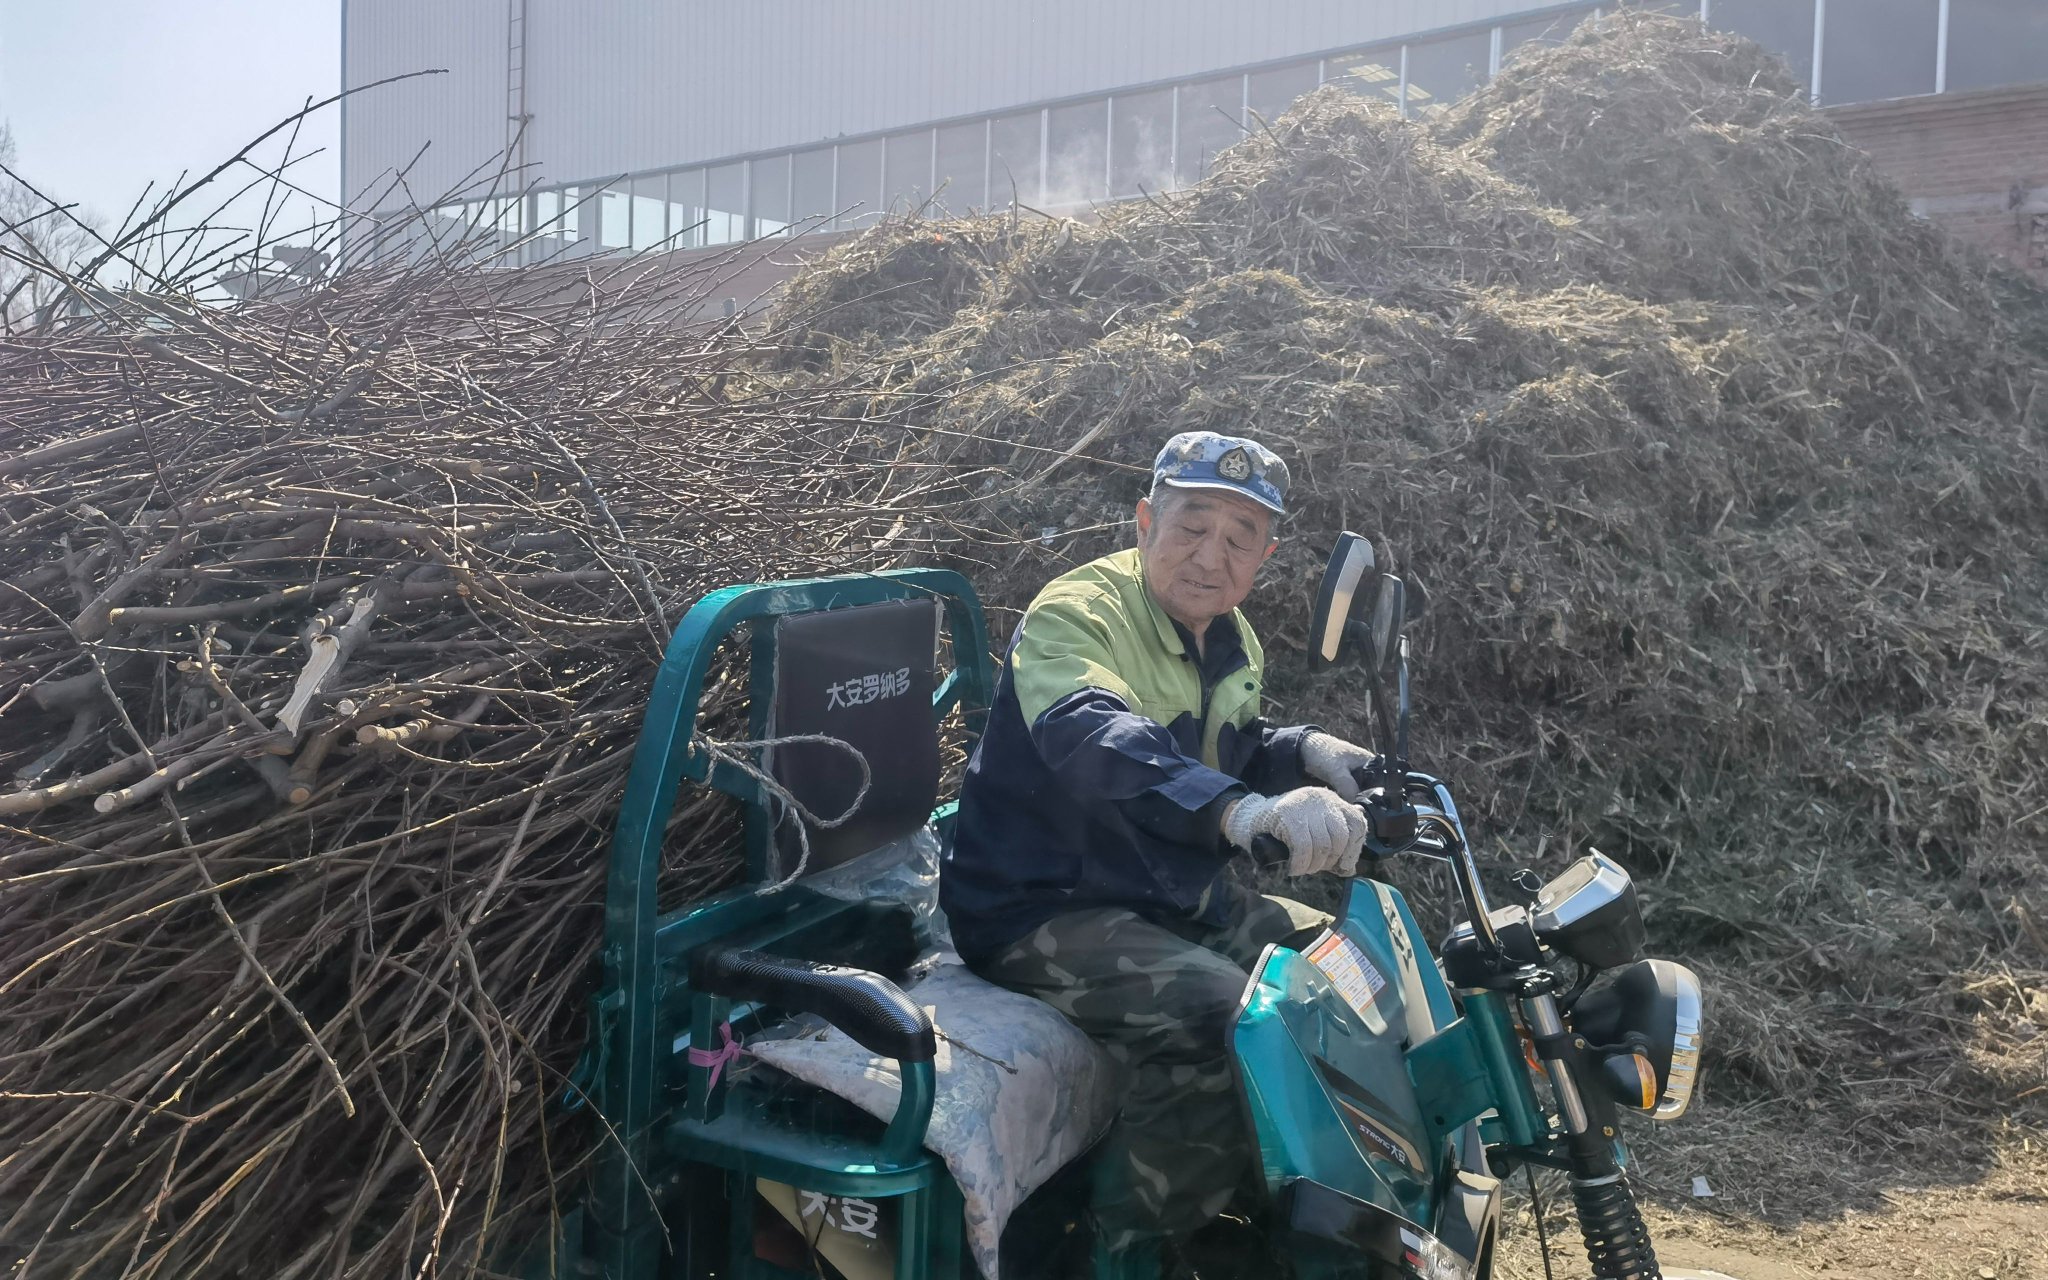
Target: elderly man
1123,766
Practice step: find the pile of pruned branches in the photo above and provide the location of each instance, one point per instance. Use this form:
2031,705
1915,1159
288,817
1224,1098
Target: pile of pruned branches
326,623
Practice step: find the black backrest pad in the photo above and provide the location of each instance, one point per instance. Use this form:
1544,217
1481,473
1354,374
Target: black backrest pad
865,676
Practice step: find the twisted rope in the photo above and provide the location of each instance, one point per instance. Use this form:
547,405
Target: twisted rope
730,753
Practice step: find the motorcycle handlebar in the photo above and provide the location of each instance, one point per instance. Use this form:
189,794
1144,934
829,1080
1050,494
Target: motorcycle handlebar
1436,832
1271,851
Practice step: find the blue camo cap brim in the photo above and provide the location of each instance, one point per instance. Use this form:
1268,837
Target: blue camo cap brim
1230,464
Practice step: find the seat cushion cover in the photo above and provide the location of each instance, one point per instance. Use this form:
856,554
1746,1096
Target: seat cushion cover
1021,1092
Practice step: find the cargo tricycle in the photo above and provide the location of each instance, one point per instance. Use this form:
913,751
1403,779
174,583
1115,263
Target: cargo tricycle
798,1079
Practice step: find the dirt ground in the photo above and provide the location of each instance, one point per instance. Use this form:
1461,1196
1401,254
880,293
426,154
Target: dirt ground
1995,1228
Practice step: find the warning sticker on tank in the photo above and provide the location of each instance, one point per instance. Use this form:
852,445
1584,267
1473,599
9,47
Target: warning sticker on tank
1354,976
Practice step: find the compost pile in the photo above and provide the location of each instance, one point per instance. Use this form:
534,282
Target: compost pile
326,625
1728,478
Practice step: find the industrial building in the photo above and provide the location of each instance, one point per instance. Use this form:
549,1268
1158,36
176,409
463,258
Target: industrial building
593,126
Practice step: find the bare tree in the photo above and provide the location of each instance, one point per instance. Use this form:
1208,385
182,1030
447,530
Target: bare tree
39,239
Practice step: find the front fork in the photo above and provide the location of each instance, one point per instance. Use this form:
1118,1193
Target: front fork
1617,1242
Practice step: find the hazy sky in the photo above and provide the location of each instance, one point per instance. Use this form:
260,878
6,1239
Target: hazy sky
105,96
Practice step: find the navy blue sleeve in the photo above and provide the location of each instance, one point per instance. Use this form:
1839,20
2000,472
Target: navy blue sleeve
1276,765
1099,749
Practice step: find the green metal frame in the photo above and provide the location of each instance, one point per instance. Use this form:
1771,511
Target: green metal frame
1472,1068
636,1042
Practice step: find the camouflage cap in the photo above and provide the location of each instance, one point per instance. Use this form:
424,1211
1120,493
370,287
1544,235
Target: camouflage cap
1206,460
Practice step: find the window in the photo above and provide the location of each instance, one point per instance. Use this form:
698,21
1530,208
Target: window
860,183
907,164
1141,143
509,215
1013,169
650,212
962,178
1878,49
1077,154
577,217
1442,71
1996,42
1272,91
810,186
768,186
1785,27
1553,30
613,225
725,199
453,222
1209,114
1374,74
547,221
686,217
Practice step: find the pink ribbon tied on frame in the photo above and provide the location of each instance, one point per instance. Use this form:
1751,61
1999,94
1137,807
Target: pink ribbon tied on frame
714,1060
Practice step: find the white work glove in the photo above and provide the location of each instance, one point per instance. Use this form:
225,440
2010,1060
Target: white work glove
1330,760
1321,832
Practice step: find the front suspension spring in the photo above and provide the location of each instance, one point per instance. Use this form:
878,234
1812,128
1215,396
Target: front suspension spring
1617,1242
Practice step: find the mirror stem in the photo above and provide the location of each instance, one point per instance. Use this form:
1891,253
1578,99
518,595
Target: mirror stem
1401,723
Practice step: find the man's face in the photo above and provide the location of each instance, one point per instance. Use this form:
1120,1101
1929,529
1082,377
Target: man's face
1201,551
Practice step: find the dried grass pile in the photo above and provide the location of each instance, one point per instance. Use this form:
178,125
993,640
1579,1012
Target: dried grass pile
1730,482
326,626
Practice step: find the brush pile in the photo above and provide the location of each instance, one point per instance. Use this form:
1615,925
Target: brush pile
326,625
1730,482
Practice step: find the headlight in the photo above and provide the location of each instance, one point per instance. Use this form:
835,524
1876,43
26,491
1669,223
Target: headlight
1647,1016
1684,1069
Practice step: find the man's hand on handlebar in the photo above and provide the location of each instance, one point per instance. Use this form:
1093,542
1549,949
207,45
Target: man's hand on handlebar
1320,831
1334,763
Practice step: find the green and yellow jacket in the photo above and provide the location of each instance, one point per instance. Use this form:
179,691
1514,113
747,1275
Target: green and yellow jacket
1108,758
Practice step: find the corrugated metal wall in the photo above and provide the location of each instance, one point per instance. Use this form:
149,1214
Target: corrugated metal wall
458,117
621,85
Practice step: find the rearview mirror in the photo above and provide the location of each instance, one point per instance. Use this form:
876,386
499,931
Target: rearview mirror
1345,597
1388,613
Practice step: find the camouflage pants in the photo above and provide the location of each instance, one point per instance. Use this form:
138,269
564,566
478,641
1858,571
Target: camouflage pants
1161,999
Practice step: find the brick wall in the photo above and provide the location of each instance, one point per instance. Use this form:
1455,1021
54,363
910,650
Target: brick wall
1975,163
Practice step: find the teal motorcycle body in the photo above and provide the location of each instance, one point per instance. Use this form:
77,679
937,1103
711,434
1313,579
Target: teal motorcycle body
1325,1045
